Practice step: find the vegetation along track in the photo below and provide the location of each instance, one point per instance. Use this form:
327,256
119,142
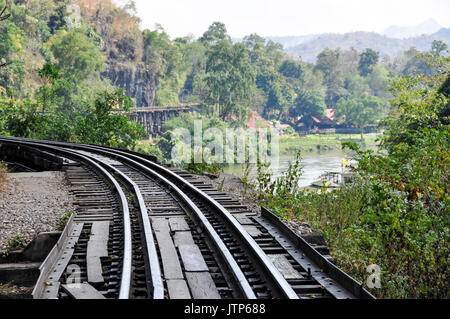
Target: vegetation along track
143,230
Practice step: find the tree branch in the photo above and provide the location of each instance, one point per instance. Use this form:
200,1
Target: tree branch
3,15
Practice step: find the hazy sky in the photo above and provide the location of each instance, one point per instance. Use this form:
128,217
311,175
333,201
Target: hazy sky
288,17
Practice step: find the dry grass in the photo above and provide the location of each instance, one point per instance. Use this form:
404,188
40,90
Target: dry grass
4,180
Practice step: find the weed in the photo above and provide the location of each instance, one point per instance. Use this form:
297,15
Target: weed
62,221
17,241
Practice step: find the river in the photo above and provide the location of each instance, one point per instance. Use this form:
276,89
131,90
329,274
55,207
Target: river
314,165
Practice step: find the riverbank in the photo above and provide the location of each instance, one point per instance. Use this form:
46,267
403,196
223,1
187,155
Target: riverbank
320,153
317,143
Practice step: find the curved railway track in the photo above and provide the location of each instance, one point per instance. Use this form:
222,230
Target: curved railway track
143,230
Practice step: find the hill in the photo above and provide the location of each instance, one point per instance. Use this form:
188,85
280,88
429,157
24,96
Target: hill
309,50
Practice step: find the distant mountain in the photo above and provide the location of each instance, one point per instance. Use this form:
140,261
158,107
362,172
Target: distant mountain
292,41
287,41
427,27
309,50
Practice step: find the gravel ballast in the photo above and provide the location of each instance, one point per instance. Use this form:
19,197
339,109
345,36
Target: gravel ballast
32,203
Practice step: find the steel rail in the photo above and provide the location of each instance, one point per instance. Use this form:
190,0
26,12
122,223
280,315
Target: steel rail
125,284
350,284
152,256
228,258
346,281
274,274
277,278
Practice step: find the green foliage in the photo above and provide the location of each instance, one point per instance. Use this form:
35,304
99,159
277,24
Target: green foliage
418,102
368,59
217,32
292,69
150,149
438,47
360,110
309,104
103,124
160,53
284,187
18,241
230,78
200,168
280,97
12,43
3,13
76,54
395,212
97,121
3,16
328,62
63,220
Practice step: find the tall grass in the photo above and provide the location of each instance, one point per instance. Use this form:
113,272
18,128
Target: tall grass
3,177
372,222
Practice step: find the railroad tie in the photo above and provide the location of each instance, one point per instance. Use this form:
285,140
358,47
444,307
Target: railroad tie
96,249
82,291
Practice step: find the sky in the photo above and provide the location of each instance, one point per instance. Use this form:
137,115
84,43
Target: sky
288,17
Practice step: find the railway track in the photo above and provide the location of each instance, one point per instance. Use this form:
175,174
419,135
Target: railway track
146,231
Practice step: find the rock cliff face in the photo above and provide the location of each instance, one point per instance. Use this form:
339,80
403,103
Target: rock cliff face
137,81
123,47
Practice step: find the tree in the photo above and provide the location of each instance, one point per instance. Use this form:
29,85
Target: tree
309,104
12,54
420,102
49,75
444,113
350,60
329,63
437,47
292,69
254,41
378,81
165,61
275,52
368,59
356,84
230,78
360,110
414,63
280,98
4,16
76,54
216,33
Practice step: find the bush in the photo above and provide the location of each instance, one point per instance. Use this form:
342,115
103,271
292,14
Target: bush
395,213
